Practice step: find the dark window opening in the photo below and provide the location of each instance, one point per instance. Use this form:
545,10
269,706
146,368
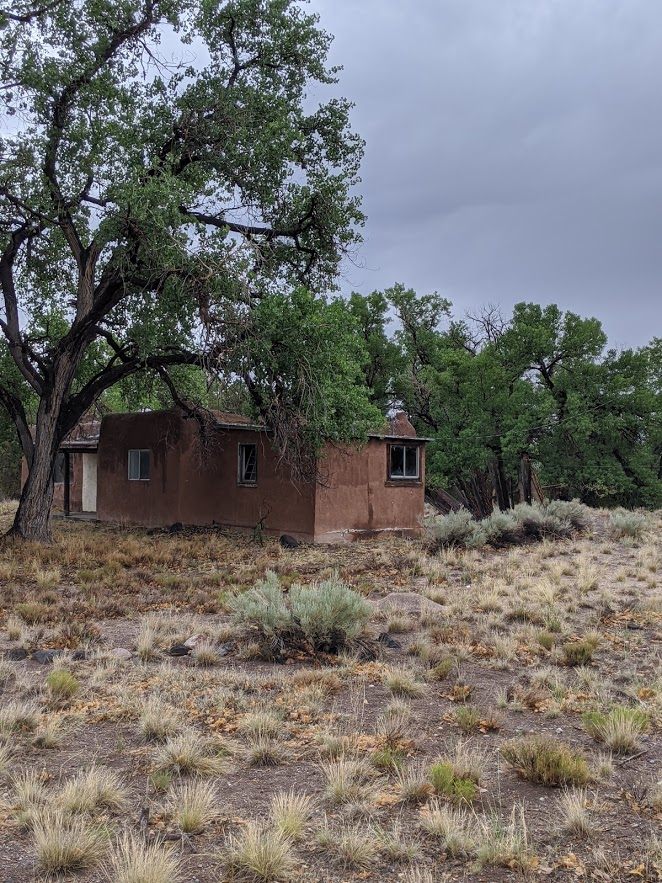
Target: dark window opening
139,465
58,471
247,464
404,461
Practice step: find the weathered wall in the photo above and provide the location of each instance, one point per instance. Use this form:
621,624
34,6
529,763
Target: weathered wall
192,482
154,502
357,499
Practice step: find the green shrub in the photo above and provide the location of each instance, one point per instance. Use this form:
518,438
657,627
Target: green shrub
569,510
627,524
447,531
445,782
326,614
263,606
501,528
546,761
329,613
537,522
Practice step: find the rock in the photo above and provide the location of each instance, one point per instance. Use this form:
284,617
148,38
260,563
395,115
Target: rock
121,653
385,639
192,642
16,654
177,527
224,649
78,655
409,602
179,650
288,542
44,657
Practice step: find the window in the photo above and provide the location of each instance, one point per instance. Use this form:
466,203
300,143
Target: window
247,464
58,472
404,462
139,465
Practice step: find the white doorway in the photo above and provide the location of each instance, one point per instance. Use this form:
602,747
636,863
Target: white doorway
89,502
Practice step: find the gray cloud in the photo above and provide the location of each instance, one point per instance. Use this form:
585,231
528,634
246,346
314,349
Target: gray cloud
514,151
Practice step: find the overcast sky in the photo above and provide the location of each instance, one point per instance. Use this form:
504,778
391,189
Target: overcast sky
514,151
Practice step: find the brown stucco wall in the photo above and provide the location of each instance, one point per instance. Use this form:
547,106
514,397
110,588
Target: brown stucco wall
195,483
356,498
154,502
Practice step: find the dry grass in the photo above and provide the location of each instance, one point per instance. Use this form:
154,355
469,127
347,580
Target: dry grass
374,763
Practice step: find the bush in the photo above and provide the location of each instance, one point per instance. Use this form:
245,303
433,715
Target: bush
501,528
329,613
546,761
263,606
537,522
454,529
324,615
627,524
569,510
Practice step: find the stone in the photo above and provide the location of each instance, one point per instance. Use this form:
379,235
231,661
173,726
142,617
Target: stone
121,653
179,650
385,639
16,654
288,542
79,655
44,657
409,602
192,642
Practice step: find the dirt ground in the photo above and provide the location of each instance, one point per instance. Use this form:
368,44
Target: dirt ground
517,642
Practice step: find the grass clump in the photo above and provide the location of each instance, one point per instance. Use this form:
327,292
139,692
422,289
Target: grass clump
446,782
573,812
134,861
289,813
193,806
578,652
17,716
62,685
260,853
159,720
453,827
97,787
618,728
505,844
546,761
190,753
65,842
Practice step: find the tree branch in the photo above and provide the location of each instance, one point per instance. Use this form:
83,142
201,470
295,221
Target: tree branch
14,407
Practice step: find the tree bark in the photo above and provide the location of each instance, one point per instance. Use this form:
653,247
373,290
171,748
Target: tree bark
33,516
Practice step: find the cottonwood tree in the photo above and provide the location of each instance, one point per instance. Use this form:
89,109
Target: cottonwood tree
162,171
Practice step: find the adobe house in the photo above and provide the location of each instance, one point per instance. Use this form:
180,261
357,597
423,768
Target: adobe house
152,469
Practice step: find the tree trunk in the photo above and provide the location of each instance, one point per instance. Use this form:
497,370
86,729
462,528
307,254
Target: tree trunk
33,516
525,480
500,483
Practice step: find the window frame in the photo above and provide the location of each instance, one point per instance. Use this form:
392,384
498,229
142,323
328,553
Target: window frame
416,479
139,452
241,463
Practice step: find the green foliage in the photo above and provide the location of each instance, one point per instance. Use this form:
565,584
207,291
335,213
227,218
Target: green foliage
619,728
158,217
445,782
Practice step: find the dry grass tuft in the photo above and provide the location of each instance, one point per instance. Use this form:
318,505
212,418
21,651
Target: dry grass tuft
65,843
289,812
260,853
193,806
134,861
